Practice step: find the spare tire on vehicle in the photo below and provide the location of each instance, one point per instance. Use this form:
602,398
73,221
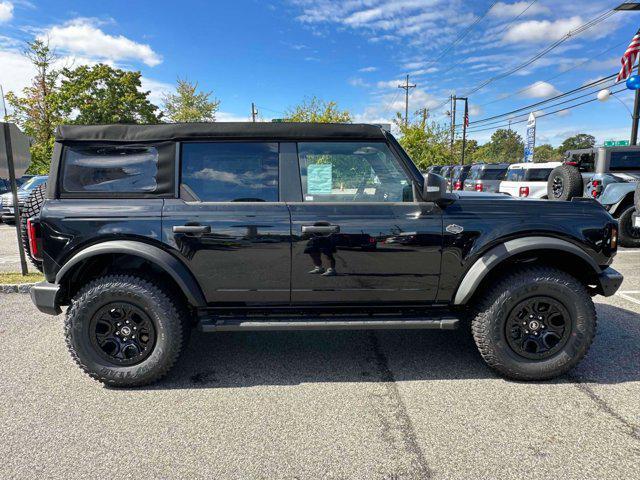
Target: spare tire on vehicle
31,209
565,182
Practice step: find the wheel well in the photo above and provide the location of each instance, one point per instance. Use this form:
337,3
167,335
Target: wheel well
568,262
114,263
625,203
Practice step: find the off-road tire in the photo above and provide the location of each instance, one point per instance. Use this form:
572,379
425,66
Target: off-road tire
168,315
489,324
570,179
31,209
628,235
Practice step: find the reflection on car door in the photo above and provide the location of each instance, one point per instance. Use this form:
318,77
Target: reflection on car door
357,235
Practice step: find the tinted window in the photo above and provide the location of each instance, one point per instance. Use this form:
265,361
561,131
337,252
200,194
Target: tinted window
538,174
515,174
116,169
489,173
351,171
621,161
33,183
231,171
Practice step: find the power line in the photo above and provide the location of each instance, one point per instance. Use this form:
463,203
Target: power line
551,99
578,65
461,36
544,114
462,60
572,33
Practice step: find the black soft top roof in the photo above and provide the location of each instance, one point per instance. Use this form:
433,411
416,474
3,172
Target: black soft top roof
218,130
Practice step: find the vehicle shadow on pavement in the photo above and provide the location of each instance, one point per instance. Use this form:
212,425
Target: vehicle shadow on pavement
236,360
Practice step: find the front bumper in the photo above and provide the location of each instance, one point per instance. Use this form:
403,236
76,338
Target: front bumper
44,296
609,281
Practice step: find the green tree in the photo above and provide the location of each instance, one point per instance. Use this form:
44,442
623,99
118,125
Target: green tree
189,105
545,153
470,150
581,140
505,146
102,94
316,110
35,111
426,142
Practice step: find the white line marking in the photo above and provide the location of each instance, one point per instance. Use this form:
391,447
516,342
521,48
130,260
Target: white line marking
627,297
629,291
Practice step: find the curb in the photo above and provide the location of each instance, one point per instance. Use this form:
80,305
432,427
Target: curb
16,288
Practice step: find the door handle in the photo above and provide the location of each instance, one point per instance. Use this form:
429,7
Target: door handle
192,229
324,229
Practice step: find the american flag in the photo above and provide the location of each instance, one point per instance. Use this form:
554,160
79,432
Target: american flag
629,57
466,113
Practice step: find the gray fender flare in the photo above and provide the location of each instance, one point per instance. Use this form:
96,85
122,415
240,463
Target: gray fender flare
493,257
167,262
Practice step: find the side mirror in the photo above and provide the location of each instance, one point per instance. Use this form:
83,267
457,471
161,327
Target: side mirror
434,188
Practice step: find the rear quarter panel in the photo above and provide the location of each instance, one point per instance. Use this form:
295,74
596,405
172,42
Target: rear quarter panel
70,225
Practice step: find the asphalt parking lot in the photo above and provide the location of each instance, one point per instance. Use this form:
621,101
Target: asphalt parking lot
380,405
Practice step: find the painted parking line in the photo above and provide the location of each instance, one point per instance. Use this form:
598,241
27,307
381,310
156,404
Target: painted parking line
628,295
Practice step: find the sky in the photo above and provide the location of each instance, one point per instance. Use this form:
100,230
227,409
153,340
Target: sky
276,53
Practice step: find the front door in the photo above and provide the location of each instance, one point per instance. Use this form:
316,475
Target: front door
357,235
229,226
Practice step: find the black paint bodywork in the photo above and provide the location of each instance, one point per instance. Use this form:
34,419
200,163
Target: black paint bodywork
255,254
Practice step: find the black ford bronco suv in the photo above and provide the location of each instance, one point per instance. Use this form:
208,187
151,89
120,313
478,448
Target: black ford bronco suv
149,231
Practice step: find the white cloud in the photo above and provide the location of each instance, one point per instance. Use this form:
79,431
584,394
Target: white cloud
368,69
157,89
541,30
21,71
232,117
358,82
540,89
82,36
510,10
6,11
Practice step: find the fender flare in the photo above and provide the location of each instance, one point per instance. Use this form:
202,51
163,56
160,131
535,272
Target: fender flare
167,262
483,265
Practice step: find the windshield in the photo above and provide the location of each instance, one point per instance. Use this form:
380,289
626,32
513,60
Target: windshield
32,183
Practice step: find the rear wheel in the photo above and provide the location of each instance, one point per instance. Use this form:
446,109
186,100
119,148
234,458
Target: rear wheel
31,209
629,235
125,331
564,183
535,324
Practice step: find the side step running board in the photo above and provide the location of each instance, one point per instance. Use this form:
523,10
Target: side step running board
350,324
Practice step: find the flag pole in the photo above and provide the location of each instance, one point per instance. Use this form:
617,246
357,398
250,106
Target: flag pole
636,115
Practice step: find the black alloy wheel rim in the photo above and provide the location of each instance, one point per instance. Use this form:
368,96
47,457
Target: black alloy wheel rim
557,187
538,328
122,333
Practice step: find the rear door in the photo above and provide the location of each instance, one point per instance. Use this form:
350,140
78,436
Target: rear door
357,234
229,224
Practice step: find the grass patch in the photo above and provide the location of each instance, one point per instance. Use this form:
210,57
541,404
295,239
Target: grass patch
12,278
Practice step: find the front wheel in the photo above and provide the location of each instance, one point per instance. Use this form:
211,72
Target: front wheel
535,324
125,331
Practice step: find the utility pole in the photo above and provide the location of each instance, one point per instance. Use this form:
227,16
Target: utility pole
406,88
453,120
425,114
254,112
4,105
464,127
636,115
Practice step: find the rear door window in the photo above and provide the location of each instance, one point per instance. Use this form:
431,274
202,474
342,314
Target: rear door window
110,169
515,174
538,174
624,161
493,173
231,171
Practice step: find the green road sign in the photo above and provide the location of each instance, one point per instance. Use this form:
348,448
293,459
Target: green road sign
616,143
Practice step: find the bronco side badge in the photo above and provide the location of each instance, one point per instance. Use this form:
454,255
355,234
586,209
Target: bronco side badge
455,229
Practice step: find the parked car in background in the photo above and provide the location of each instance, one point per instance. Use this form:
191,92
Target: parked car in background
527,179
434,169
445,171
606,174
485,177
459,174
5,186
6,200
636,214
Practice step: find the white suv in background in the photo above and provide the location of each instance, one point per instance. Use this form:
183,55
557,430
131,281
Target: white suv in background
527,179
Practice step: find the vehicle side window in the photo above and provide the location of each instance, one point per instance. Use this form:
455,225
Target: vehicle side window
231,171
621,161
351,172
515,174
493,174
114,169
586,162
538,174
